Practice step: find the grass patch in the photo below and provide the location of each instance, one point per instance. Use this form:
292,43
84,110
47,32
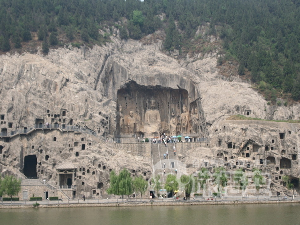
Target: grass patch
242,117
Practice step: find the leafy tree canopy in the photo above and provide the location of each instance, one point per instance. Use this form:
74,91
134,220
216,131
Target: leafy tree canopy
140,185
120,184
171,184
10,186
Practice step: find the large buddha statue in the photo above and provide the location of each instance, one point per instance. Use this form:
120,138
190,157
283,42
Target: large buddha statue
152,122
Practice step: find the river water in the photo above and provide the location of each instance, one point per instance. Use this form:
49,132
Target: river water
174,215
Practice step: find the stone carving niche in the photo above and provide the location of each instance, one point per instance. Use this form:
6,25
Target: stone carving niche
149,111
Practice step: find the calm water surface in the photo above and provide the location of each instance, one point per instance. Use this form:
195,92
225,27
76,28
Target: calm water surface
173,215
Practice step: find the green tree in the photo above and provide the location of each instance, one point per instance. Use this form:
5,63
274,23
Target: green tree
134,31
11,185
220,177
42,33
53,38
84,35
1,187
5,44
171,184
62,18
140,185
93,31
26,35
168,43
241,69
296,89
203,176
45,46
187,183
17,41
240,179
70,33
156,184
138,18
258,179
123,33
52,27
120,184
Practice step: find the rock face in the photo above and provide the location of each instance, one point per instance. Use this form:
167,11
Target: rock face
75,105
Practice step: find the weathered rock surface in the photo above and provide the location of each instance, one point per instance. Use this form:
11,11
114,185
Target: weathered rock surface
78,87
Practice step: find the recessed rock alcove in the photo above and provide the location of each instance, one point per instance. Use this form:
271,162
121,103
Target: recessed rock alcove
150,111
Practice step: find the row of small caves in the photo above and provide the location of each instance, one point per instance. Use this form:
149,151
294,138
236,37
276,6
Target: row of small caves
56,120
266,156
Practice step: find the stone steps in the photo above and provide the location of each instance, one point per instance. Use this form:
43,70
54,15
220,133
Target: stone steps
169,164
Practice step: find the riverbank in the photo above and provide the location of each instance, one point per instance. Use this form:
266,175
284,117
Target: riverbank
137,203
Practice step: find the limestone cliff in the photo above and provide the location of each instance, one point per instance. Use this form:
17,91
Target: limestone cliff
63,108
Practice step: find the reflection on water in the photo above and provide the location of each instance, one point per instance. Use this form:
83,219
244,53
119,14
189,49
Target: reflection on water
206,214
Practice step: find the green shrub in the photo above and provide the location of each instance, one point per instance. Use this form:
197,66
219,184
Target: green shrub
262,85
35,198
76,45
35,205
10,199
146,139
53,198
198,194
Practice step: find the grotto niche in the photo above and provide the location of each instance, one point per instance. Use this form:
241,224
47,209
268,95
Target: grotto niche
149,111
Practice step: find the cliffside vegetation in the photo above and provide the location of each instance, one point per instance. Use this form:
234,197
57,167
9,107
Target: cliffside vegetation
242,117
262,36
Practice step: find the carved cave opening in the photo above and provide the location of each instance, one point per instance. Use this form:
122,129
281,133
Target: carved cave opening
4,131
39,123
271,160
285,163
281,135
29,170
100,185
295,182
66,179
149,111
255,147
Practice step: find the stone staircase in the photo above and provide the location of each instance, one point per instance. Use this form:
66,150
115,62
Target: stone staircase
64,195
164,165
